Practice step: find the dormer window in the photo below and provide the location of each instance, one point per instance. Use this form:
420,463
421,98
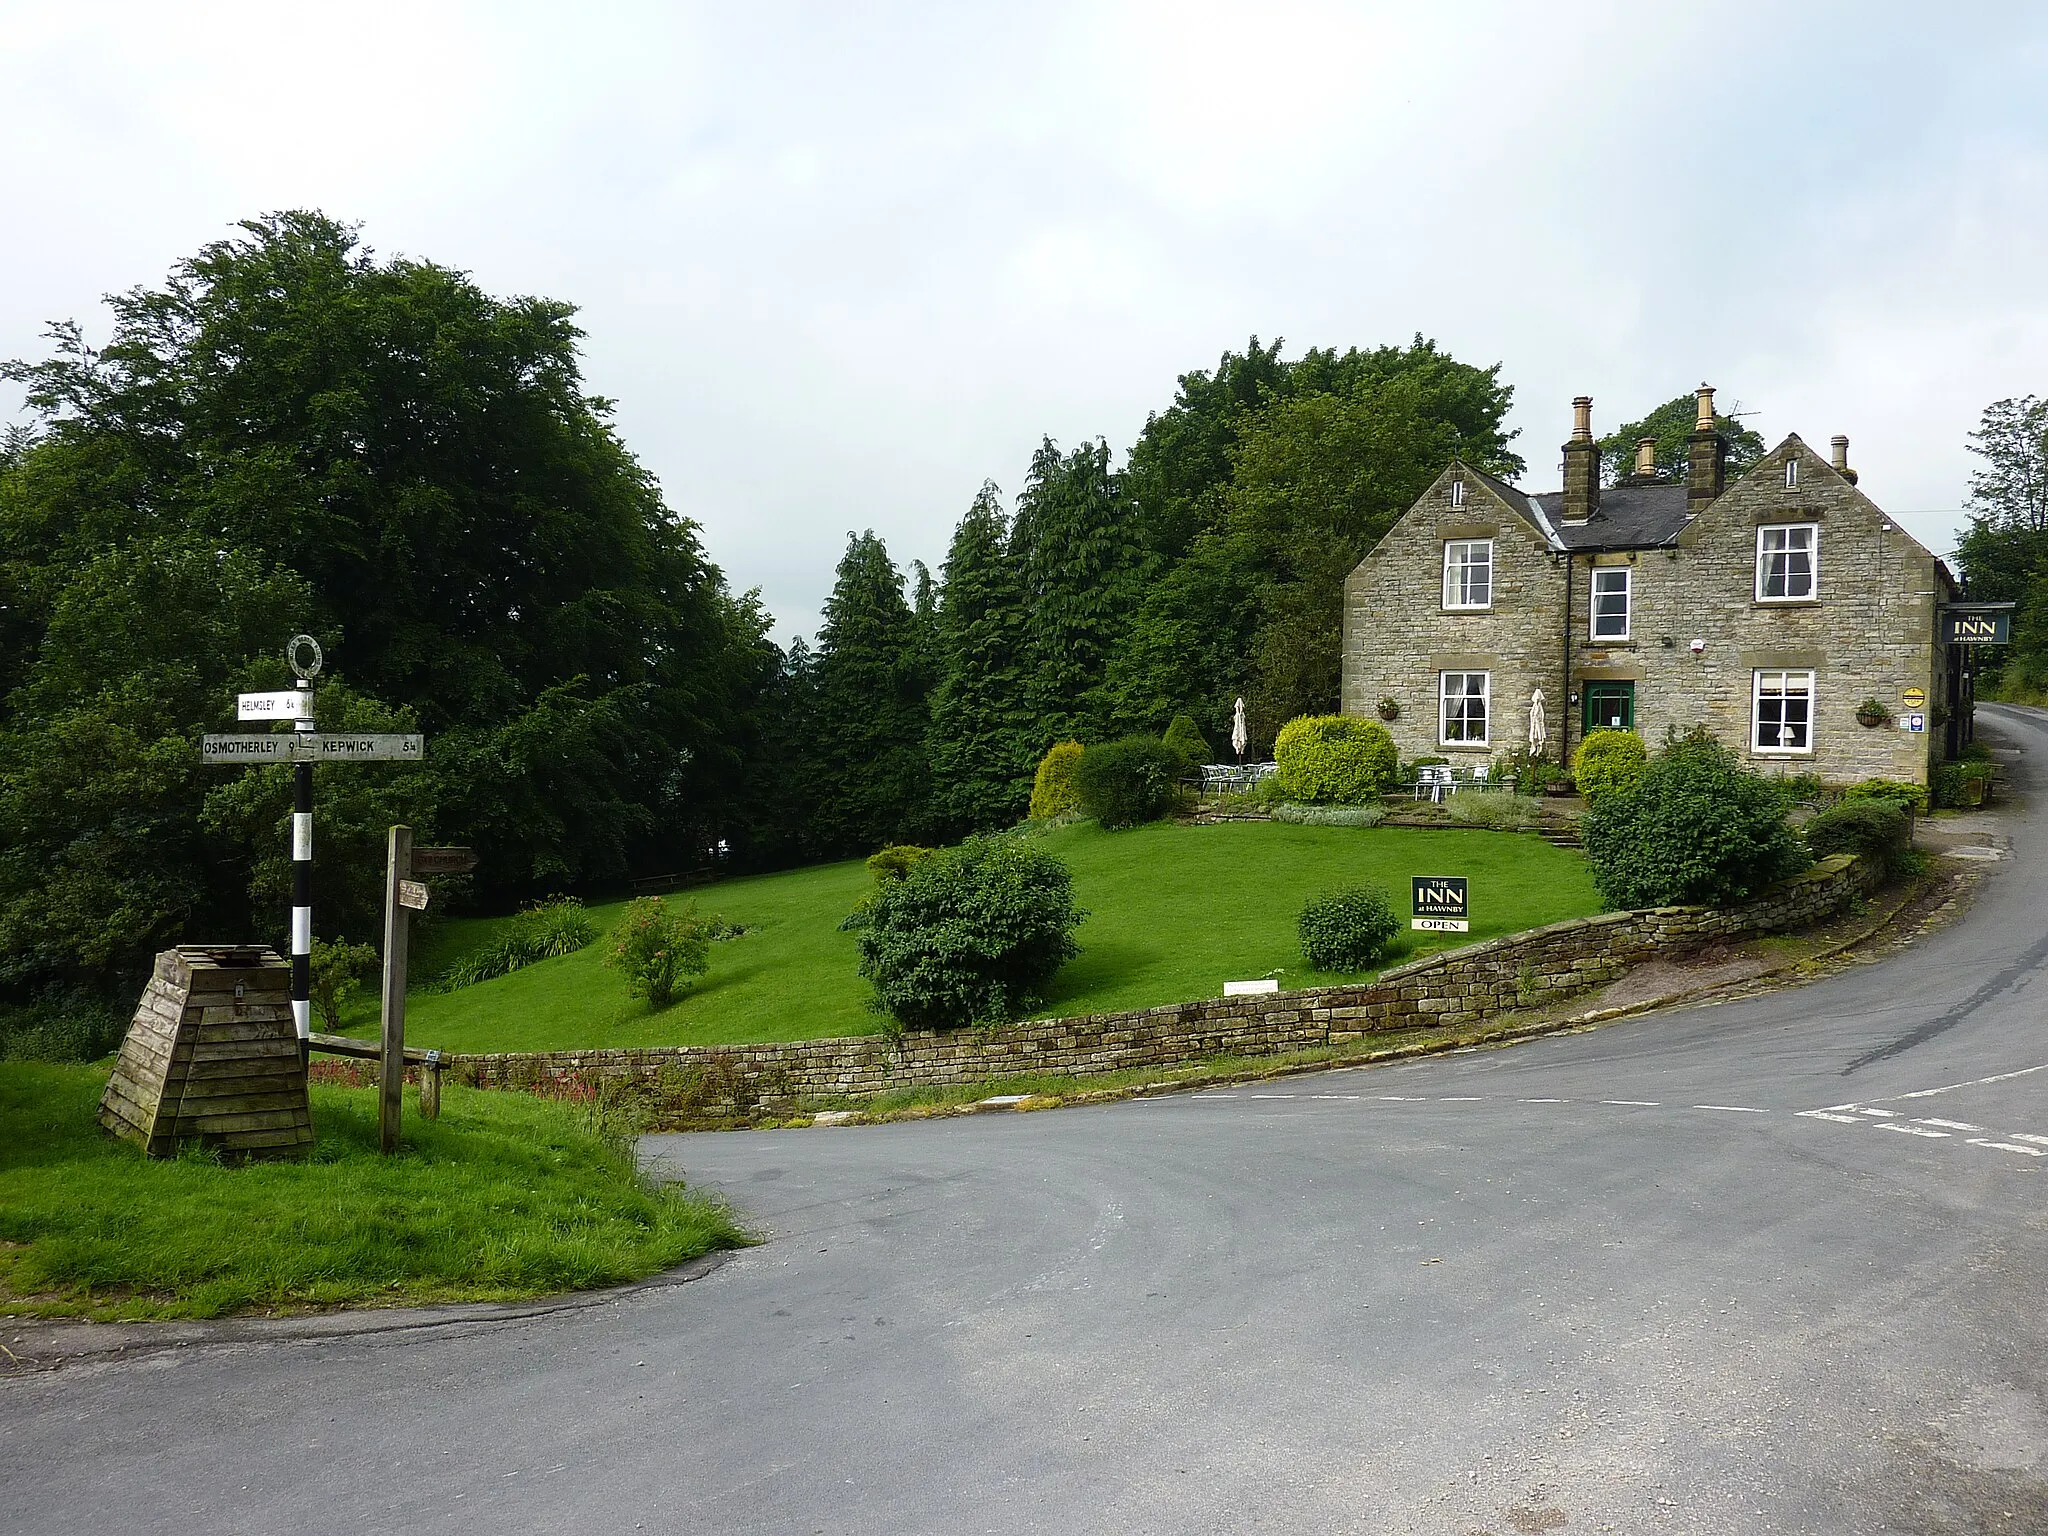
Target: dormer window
1787,563
1457,495
1468,573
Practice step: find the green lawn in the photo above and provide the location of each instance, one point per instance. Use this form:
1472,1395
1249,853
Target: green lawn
1175,911
505,1196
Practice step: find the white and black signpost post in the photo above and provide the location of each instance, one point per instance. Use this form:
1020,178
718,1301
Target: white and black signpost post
302,748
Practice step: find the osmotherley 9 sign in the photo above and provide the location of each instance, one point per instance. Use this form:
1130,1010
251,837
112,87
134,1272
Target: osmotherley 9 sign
312,746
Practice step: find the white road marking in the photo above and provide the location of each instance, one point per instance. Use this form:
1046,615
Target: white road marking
1975,1082
1911,1130
1827,1114
2039,1141
1733,1109
1635,1103
1884,1113
2008,1146
1951,1125
1543,1101
1397,1098
1272,1095
1461,1099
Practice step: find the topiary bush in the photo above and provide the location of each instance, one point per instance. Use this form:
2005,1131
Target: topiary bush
972,935
1054,792
1696,830
1186,738
1129,782
1871,828
1335,759
1346,929
1608,761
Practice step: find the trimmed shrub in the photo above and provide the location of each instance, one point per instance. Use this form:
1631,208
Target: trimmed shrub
1186,738
896,861
336,972
1335,759
1501,812
1871,828
557,926
1346,929
1608,761
1696,830
1961,783
659,949
1053,789
971,935
1129,782
1330,815
1894,791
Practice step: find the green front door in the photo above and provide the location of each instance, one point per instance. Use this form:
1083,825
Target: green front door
1610,706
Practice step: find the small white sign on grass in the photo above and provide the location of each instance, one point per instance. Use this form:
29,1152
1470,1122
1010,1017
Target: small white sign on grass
1250,988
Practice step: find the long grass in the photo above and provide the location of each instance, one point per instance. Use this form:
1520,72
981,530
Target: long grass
1174,912
505,1196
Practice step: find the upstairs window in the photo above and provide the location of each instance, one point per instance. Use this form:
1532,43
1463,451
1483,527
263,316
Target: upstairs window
1464,708
1610,602
1791,474
1468,573
1782,713
1787,561
1457,494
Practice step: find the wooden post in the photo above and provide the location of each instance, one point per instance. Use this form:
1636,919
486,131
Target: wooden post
430,1087
397,924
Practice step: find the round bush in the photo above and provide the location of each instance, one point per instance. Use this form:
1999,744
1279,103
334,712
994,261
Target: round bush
1897,791
1696,830
1608,761
1053,790
1346,929
1186,738
1335,759
1872,828
1129,782
896,861
971,935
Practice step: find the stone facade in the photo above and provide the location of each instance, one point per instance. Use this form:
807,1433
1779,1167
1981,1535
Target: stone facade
1443,991
1698,633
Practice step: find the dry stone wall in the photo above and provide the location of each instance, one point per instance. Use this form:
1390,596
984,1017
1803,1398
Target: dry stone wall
1441,991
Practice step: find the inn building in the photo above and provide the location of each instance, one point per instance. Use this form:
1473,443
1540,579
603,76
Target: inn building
1772,608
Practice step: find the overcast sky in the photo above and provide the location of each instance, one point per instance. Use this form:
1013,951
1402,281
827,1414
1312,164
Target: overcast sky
838,264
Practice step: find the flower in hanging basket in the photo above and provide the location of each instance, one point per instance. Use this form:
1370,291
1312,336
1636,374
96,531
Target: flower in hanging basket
1871,713
1390,708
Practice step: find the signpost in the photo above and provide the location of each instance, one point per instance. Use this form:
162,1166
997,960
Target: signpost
404,896
1440,904
311,747
1977,623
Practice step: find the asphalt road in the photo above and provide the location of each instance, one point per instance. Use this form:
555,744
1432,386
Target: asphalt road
1771,1266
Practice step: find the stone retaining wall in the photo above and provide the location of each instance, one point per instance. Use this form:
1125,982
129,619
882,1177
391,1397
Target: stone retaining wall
1445,990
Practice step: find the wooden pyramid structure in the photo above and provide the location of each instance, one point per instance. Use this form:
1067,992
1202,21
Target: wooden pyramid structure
213,1055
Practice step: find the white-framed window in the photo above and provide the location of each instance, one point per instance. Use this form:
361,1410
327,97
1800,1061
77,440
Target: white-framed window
1457,494
1468,573
1781,714
1610,602
1791,474
1787,562
1464,696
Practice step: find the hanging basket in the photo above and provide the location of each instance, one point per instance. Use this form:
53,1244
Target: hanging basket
1390,708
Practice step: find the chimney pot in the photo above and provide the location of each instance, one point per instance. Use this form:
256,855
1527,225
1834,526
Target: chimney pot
1840,444
1704,421
1646,456
1581,465
1582,419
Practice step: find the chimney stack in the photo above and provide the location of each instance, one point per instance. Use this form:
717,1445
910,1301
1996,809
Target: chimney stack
1581,465
1707,457
1841,458
1646,458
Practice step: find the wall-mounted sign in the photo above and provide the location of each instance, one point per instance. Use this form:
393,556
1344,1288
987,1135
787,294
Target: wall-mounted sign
1914,698
1440,904
1965,626
1912,722
412,895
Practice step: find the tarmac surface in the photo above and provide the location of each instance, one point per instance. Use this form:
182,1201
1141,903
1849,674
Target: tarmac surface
1772,1266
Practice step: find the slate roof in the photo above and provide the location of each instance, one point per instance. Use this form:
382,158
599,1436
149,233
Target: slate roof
1629,517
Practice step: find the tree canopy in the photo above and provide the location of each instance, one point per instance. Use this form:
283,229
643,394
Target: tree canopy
1672,425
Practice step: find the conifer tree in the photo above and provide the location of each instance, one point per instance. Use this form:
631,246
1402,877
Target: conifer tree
1080,565
982,737
868,782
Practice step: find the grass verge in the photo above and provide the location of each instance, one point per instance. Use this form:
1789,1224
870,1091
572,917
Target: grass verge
505,1197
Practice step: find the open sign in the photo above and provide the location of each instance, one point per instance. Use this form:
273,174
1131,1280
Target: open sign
1441,904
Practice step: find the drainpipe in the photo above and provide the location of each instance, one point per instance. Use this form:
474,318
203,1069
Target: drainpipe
1564,699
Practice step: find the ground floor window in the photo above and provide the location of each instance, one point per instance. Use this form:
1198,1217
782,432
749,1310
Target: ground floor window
1782,716
1464,708
1610,706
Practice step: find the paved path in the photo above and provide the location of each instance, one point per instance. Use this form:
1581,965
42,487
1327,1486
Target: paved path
1773,1266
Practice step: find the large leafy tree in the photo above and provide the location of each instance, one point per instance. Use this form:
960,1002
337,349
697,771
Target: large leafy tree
1672,425
870,780
2004,551
306,436
982,743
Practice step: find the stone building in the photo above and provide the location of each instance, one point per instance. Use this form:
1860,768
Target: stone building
1771,608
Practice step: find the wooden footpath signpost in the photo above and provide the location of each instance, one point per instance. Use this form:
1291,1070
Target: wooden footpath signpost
403,896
